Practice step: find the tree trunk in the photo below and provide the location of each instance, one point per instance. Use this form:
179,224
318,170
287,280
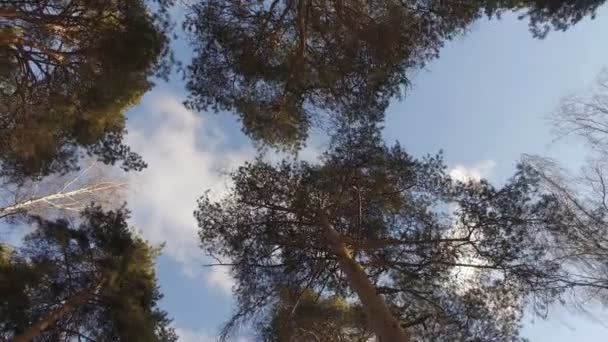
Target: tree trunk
52,200
25,205
380,319
52,317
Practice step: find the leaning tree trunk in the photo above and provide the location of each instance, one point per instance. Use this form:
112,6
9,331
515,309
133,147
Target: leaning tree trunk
74,200
380,319
52,317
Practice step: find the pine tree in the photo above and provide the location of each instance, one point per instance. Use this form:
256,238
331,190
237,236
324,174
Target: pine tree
93,281
70,70
284,66
425,256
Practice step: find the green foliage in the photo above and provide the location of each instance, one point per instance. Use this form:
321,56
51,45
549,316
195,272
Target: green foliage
302,315
73,70
547,15
279,65
16,276
285,66
454,261
57,261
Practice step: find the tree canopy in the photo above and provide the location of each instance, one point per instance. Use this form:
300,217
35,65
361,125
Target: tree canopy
94,281
284,66
584,245
70,71
279,65
302,315
452,260
367,241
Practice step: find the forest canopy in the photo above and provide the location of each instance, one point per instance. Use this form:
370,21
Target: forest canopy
71,70
367,242
285,66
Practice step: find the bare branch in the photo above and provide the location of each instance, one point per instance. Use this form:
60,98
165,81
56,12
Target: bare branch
65,194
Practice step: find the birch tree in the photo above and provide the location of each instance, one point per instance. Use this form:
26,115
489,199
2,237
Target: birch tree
583,193
586,116
64,195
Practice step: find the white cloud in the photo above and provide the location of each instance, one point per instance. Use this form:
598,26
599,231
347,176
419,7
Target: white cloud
187,335
184,159
219,277
483,169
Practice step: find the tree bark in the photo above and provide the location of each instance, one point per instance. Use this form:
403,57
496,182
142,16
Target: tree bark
50,200
52,317
380,319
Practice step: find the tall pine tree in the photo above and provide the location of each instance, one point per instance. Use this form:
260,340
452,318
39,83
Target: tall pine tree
69,71
94,281
285,66
425,256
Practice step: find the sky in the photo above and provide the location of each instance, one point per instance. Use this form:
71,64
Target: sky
484,102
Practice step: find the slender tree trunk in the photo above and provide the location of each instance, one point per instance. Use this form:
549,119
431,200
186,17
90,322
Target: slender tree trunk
51,200
52,317
380,319
9,14
7,39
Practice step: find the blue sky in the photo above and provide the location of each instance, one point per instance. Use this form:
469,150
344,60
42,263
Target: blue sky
484,102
